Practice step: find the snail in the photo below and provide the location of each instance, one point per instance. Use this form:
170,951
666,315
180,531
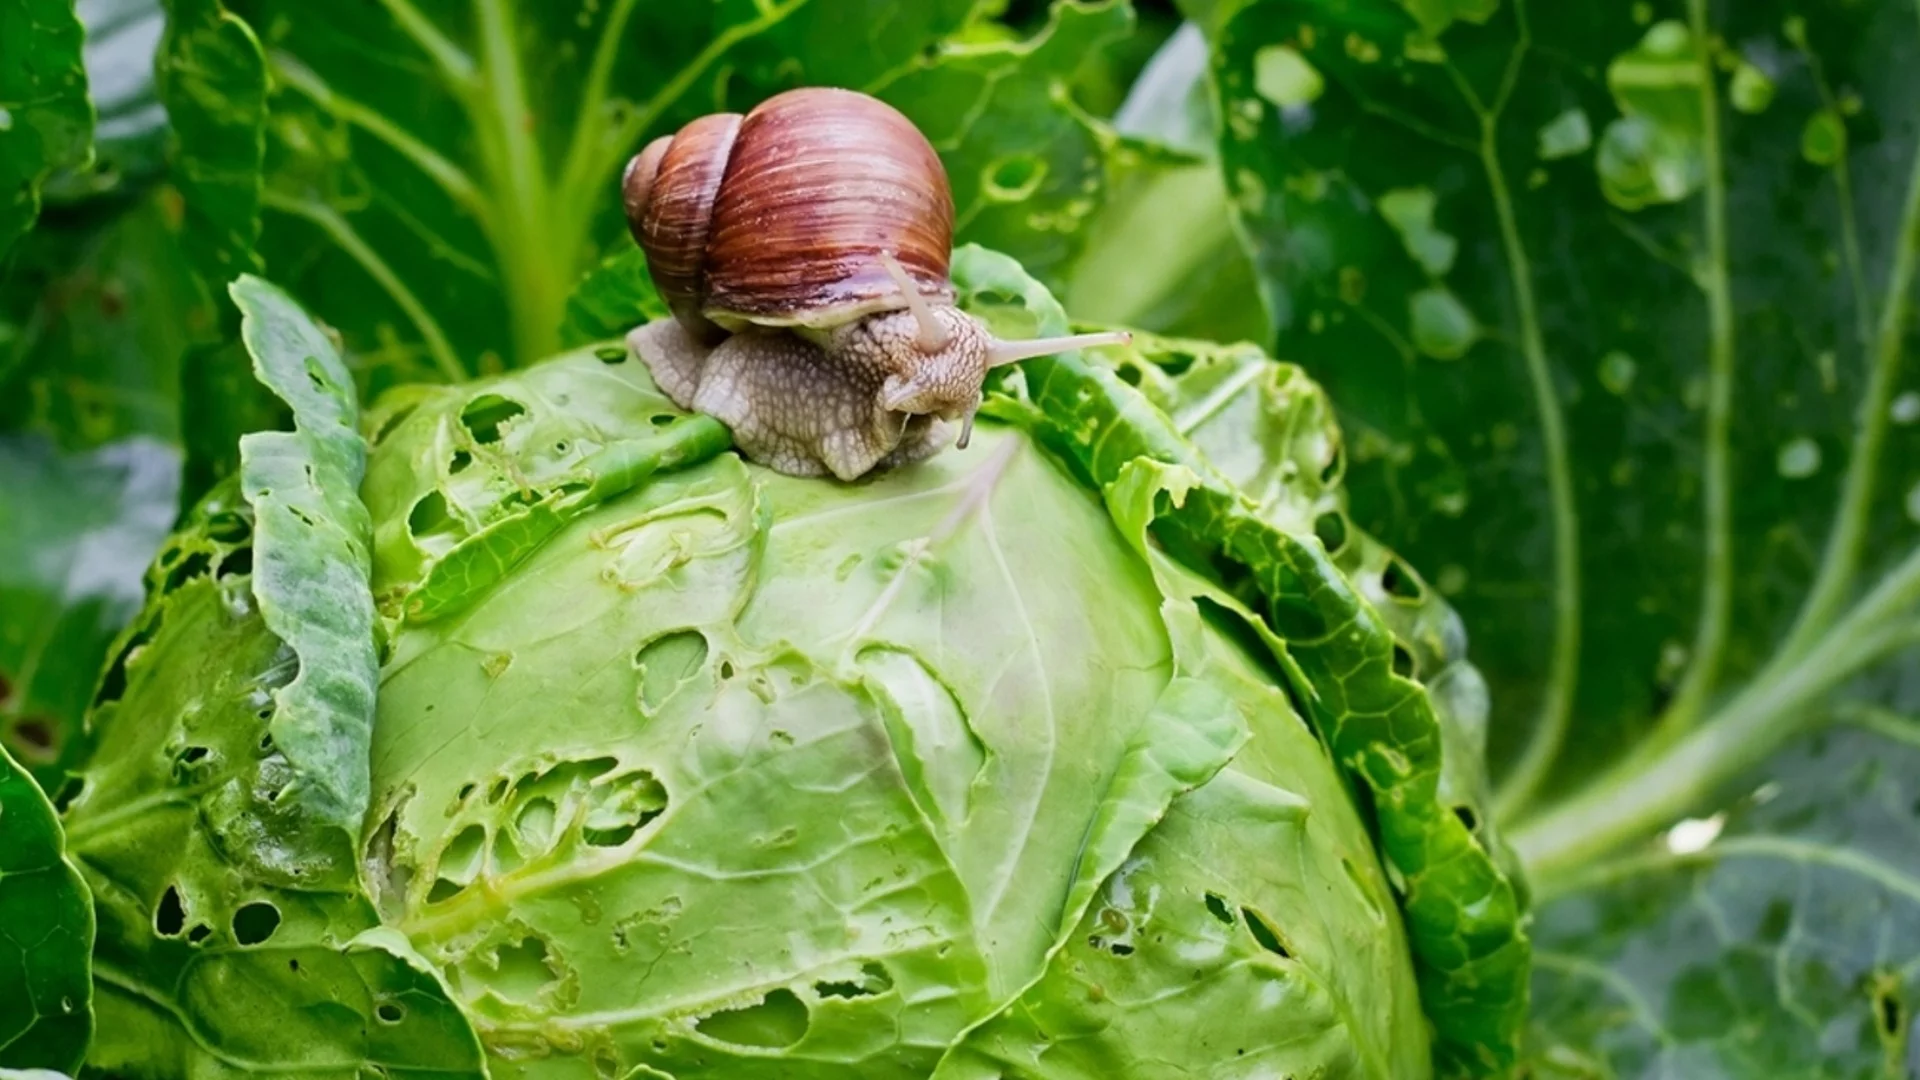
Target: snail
803,250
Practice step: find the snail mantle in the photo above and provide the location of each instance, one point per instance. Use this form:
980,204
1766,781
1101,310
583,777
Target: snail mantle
803,249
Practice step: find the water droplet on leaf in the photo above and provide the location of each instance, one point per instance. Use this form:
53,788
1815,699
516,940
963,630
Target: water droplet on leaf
1443,328
1751,91
1824,140
1565,135
1616,372
1799,459
1906,408
1284,77
1410,212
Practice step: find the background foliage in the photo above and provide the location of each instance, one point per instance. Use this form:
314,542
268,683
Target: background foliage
1612,299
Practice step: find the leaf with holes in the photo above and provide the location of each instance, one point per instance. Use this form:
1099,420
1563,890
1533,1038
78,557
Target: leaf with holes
214,876
46,998
1778,937
312,560
1463,904
1615,299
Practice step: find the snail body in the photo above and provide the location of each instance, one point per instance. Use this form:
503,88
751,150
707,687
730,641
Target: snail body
803,249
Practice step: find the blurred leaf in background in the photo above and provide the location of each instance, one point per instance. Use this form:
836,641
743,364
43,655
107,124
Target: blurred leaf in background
1615,300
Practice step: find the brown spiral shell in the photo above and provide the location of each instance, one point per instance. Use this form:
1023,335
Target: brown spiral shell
780,217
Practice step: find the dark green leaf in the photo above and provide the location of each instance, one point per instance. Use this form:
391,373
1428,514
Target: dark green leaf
311,560
1027,166
1618,332
213,81
1463,913
76,529
445,181
130,130
46,119
616,297
99,314
1162,254
1778,938
46,934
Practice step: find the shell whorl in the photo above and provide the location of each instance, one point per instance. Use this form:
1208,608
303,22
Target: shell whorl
781,217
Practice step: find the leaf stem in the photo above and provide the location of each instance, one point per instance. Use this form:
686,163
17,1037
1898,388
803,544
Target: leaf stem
1563,672
1842,561
533,266
1642,795
329,221
1716,592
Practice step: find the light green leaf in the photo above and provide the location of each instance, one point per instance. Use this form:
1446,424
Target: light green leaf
312,561
46,933
46,118
1462,909
215,881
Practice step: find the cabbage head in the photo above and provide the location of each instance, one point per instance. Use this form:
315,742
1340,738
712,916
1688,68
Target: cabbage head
520,728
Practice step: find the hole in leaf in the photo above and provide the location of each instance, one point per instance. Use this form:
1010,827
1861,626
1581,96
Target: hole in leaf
398,417
621,807
1336,465
199,933
37,740
1129,374
534,822
522,969
506,856
1888,1009
1403,664
235,563
485,415
459,462
777,1022
1331,528
460,859
466,791
169,915
1268,938
1399,581
255,922
873,980
1467,817
1120,948
429,515
191,567
665,663
389,1012
661,419
443,890
69,791
611,354
1218,907
726,669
